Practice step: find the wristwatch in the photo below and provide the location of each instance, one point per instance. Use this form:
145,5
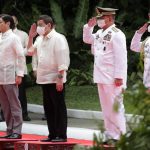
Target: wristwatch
60,76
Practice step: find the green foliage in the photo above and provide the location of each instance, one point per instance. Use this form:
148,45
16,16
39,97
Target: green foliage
81,17
57,15
79,77
97,140
138,137
35,12
82,68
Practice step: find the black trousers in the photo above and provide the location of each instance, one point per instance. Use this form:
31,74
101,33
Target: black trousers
55,111
1,114
22,97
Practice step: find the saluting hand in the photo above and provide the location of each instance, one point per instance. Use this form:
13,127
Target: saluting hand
143,28
92,22
32,32
118,82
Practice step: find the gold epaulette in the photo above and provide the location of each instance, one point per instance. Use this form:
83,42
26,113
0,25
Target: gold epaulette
115,29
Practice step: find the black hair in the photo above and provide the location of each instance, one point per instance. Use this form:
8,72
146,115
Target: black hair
7,18
47,19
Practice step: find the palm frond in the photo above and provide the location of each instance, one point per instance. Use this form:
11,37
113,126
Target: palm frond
57,15
81,17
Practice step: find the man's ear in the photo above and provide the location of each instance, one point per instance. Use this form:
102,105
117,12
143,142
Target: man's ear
8,23
49,25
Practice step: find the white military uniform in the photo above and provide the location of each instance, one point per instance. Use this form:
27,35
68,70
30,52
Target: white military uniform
110,62
138,46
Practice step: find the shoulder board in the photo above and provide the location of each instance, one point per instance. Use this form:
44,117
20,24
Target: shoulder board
115,29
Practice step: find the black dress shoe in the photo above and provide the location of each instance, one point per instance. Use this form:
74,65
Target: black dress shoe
26,118
59,139
46,140
6,136
2,116
15,136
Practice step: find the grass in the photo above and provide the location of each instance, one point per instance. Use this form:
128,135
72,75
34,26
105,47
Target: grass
77,97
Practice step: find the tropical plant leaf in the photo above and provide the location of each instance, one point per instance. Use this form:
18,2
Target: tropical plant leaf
57,15
81,17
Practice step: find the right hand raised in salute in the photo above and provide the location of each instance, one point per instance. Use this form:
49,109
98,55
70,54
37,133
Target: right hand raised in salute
92,22
143,28
32,32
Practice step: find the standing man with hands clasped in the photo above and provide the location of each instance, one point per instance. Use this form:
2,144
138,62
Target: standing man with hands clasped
51,61
138,45
110,69
11,75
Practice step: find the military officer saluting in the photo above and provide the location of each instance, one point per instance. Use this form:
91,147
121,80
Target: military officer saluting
108,46
138,46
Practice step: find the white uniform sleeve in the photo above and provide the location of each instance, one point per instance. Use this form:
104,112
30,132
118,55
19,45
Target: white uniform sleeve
135,43
120,55
34,61
88,37
20,65
62,53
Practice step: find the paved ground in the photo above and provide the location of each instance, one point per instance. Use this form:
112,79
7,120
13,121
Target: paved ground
77,128
72,122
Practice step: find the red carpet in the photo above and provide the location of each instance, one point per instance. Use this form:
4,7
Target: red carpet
38,137
33,139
